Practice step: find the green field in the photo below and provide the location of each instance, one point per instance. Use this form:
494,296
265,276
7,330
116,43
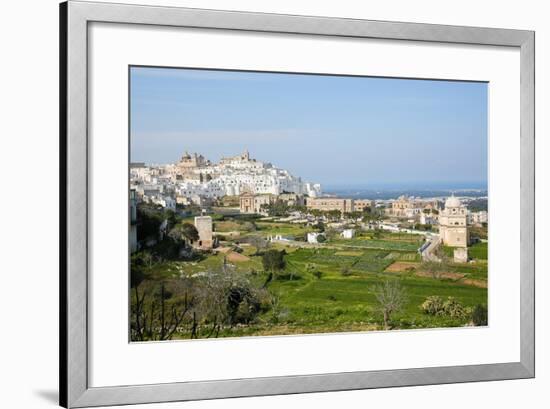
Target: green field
331,288
478,251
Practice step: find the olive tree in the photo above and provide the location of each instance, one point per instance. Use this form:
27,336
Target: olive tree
273,261
391,298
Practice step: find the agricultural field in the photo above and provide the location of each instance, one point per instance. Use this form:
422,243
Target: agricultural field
331,287
478,251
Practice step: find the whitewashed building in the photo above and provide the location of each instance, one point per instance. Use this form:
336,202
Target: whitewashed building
232,176
427,218
313,237
478,217
348,233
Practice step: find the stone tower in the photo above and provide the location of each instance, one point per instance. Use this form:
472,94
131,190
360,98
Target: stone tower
203,225
453,228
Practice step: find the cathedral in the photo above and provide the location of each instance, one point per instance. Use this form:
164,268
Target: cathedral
188,161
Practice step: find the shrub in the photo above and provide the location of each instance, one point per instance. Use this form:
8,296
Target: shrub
454,309
479,315
451,307
312,268
248,226
345,271
433,305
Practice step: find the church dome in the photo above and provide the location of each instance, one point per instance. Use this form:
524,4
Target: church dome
452,202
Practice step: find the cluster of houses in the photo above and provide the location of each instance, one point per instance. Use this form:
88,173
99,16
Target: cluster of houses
429,211
196,180
256,203
315,237
452,216
416,210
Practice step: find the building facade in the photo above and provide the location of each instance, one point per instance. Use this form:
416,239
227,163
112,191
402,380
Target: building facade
479,217
313,237
402,207
411,207
348,233
255,204
327,204
360,205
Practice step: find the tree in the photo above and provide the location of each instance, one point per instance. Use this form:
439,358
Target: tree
433,268
391,297
190,232
236,295
299,208
330,233
157,313
149,221
248,226
136,278
275,304
371,215
279,208
436,268
319,226
334,215
315,213
184,231
259,242
354,216
273,261
479,315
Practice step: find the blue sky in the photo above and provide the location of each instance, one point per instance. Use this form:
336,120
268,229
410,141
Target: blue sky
335,130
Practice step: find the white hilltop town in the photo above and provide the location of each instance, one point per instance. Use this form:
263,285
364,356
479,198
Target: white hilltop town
195,179
253,186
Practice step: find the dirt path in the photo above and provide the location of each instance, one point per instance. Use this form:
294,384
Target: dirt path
401,267
236,257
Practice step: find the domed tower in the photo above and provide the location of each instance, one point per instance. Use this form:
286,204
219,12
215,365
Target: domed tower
453,228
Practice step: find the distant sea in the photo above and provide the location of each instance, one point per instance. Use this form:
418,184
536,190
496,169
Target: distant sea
393,193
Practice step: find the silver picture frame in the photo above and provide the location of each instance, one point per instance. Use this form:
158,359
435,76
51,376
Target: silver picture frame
75,16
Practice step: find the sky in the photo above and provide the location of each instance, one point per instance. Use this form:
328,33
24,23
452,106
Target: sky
339,131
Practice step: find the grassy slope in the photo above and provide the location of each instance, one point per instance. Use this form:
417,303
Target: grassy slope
337,302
